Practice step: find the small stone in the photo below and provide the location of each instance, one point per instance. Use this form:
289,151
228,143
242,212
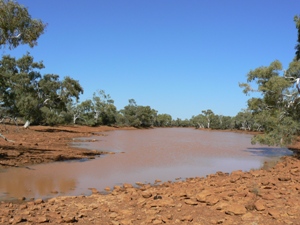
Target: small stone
201,197
69,219
38,201
268,197
235,209
94,191
212,200
146,194
190,202
22,199
41,219
274,213
127,185
259,206
187,218
113,215
249,217
284,178
157,221
220,221
18,219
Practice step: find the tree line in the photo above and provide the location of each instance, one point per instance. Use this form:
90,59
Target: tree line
49,100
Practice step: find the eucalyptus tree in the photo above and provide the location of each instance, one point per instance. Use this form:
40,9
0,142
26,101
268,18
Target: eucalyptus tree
82,113
244,120
163,120
276,107
209,115
226,122
24,92
182,123
198,121
297,22
104,109
220,122
136,115
16,25
146,116
128,116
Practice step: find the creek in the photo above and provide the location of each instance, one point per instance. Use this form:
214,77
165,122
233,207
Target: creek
166,154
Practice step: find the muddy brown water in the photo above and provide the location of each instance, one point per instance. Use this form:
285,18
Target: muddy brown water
167,154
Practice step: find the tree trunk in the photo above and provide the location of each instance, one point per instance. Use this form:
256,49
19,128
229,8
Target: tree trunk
26,125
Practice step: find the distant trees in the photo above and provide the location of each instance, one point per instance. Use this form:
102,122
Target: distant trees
244,120
163,120
208,119
100,110
47,99
136,116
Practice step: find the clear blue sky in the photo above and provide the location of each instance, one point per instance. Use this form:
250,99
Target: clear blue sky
178,56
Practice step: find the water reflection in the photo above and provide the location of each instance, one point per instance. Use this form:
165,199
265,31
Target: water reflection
269,151
21,182
164,154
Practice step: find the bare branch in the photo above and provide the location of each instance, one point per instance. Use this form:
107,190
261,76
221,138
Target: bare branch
293,78
5,138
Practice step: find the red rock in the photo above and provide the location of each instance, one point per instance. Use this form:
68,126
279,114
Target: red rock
212,200
274,213
146,194
284,178
235,209
259,205
190,202
201,197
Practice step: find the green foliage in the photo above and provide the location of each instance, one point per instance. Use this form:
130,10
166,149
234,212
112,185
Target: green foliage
16,25
163,120
181,123
209,115
244,120
26,93
276,111
198,121
297,47
104,108
136,116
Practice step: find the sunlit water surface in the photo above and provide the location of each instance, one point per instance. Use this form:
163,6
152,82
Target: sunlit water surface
140,156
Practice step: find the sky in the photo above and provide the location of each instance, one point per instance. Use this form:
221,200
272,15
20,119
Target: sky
177,56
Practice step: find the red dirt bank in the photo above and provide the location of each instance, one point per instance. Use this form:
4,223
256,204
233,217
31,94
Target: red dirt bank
266,196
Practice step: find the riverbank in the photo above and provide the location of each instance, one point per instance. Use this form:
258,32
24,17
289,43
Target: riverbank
44,144
266,196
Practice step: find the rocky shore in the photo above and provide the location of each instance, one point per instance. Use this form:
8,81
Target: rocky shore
265,196
44,144
270,195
